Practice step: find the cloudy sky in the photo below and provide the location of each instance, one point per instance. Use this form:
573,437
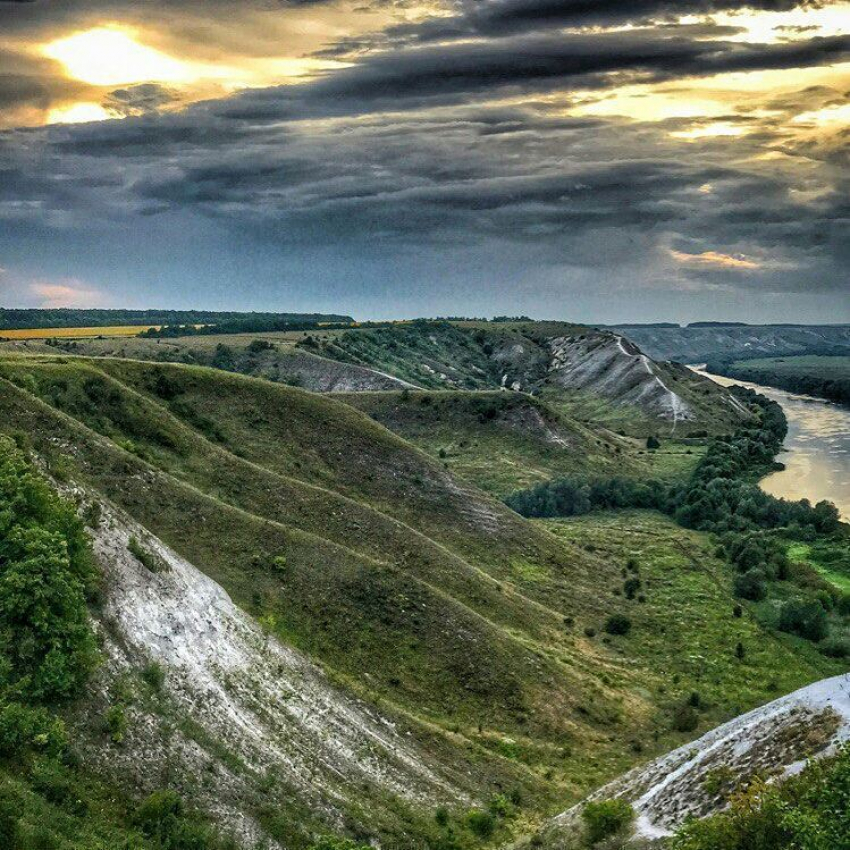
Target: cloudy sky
585,159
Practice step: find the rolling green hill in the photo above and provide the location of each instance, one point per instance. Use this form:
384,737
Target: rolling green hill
475,635
597,377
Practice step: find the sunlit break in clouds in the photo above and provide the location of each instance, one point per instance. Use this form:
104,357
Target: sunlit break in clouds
593,161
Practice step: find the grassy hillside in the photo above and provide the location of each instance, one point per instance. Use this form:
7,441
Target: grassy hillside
479,633
502,442
594,376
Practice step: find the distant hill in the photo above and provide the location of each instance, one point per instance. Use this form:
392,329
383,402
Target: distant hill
594,376
704,341
11,319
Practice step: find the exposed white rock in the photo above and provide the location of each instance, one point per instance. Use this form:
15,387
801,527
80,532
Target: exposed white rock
776,739
262,700
613,367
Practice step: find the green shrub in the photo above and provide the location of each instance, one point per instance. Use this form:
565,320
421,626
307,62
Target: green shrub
330,842
481,823
751,585
164,819
25,727
836,648
809,811
144,556
618,624
630,587
605,818
685,719
153,674
115,723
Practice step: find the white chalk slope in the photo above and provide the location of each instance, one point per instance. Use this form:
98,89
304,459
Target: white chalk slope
776,738
613,367
260,700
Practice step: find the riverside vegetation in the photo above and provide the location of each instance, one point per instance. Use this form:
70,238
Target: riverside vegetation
755,531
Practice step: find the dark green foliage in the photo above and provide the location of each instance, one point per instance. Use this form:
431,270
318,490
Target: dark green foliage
145,557
45,573
836,648
810,811
154,675
822,375
481,823
332,843
257,346
631,586
686,718
164,819
717,498
653,442
806,619
605,818
751,585
618,624
79,318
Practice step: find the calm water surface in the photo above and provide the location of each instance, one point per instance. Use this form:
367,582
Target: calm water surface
817,456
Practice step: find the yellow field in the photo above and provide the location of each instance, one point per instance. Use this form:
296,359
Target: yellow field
47,333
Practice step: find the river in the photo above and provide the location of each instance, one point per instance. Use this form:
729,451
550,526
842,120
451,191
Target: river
817,448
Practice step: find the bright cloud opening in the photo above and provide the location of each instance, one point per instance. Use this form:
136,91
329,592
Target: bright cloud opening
108,56
78,113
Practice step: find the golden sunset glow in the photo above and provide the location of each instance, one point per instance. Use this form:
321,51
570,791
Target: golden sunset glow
714,130
838,114
109,56
77,113
790,25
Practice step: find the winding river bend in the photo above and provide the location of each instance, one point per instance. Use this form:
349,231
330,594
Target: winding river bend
817,455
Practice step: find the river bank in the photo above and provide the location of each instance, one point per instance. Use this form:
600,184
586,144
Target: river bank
816,452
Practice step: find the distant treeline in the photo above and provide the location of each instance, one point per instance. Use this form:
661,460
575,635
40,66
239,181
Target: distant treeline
74,318
241,326
831,388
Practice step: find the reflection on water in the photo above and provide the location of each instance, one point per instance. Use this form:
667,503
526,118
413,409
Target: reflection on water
817,460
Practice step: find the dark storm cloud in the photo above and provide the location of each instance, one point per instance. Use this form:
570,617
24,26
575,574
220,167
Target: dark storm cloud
142,99
407,78
510,16
407,160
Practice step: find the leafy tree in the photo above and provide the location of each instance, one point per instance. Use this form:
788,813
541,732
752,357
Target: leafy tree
806,619
605,818
47,646
751,585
